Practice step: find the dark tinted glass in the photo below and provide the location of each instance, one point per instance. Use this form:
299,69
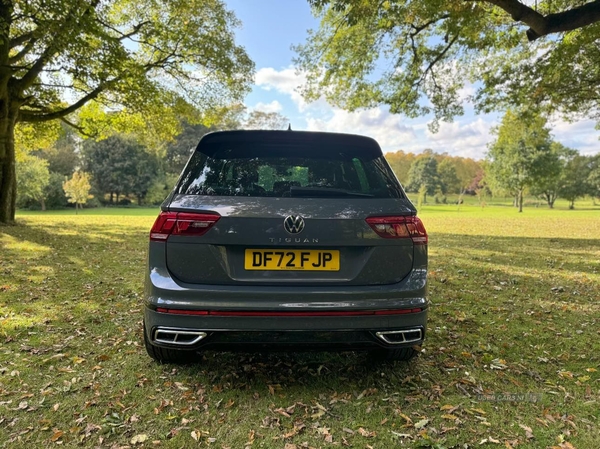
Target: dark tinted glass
284,171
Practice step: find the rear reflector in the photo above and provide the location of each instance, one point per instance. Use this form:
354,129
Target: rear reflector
398,227
288,314
181,223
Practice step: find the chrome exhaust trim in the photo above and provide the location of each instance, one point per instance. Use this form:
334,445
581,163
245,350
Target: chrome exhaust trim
179,337
401,337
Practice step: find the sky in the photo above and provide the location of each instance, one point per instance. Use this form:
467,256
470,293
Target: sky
271,27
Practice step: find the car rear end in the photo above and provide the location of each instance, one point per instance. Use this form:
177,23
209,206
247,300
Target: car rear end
286,240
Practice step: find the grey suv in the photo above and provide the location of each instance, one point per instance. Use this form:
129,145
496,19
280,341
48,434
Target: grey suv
286,239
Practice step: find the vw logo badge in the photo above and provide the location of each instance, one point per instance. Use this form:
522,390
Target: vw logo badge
293,224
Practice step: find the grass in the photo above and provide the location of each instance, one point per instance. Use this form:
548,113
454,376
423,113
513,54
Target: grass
512,357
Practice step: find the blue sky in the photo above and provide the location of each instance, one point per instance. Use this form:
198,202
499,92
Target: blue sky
271,27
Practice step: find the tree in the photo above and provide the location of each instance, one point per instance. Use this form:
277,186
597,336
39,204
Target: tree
78,188
265,120
552,174
520,155
33,178
423,175
594,176
63,155
119,166
179,151
396,52
466,168
575,183
140,55
55,194
401,163
146,167
449,181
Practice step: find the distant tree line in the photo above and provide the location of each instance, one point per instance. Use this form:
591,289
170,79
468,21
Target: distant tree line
524,159
435,175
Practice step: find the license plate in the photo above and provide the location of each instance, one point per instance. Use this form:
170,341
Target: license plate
292,259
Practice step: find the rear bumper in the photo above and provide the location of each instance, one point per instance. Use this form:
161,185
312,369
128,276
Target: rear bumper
277,317
270,340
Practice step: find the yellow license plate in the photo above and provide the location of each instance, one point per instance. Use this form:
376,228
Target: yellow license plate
292,259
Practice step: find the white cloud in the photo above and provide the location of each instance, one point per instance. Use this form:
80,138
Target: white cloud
273,106
467,91
285,81
580,135
378,123
460,138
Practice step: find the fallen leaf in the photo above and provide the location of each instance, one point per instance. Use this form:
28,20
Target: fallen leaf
542,422
366,433
139,439
57,435
449,408
449,416
528,431
282,412
406,418
402,435
421,424
317,415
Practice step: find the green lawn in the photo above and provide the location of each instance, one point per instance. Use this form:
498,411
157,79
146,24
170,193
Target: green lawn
512,357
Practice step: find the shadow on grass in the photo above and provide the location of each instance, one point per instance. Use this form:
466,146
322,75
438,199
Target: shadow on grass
60,271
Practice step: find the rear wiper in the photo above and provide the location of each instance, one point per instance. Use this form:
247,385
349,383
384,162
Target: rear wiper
324,192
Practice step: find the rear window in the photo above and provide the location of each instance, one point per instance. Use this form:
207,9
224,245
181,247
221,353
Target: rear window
289,171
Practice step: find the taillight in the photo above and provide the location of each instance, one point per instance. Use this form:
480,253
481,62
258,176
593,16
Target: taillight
398,227
181,223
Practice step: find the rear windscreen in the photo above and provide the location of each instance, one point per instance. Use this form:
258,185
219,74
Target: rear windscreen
288,171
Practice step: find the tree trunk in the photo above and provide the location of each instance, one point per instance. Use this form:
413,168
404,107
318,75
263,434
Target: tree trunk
8,177
43,204
520,200
111,197
572,205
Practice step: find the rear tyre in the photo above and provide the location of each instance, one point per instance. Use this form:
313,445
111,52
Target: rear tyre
167,355
395,354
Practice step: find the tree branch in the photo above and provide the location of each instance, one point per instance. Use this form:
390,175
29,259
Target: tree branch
70,17
33,116
134,30
81,130
418,29
540,25
26,49
20,40
437,59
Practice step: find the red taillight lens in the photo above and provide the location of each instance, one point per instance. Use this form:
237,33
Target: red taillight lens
181,223
399,227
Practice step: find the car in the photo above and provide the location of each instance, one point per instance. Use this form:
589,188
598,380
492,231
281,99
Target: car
286,240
